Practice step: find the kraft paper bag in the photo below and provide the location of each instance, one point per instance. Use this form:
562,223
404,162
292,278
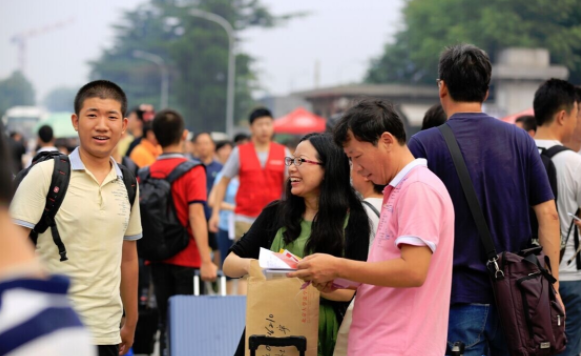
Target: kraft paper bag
280,308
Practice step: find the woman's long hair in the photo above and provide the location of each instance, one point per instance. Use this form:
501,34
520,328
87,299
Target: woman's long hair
337,199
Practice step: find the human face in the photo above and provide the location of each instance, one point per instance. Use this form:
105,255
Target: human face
223,153
204,146
374,163
134,123
306,179
262,129
100,125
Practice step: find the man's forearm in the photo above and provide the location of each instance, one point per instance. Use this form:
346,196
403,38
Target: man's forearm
550,240
394,273
220,194
129,282
550,234
200,230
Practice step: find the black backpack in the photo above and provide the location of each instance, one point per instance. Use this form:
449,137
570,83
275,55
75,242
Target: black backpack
163,234
59,184
547,159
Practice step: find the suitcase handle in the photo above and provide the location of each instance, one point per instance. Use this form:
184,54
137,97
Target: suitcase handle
219,274
254,341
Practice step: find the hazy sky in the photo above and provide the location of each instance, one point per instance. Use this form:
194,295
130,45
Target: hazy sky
342,36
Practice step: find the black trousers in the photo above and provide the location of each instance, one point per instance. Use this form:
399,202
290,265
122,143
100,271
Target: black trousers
170,280
108,350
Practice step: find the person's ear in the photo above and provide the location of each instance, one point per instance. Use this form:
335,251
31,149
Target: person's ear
185,135
486,96
561,117
125,123
75,121
387,139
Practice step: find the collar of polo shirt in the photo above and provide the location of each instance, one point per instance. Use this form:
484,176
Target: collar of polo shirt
77,164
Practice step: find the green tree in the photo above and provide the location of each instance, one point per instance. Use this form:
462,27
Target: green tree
15,90
196,53
430,26
60,99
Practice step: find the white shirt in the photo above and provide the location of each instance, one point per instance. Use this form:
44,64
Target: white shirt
376,202
568,166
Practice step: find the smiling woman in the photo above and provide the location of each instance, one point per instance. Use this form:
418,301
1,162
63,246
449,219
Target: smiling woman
320,213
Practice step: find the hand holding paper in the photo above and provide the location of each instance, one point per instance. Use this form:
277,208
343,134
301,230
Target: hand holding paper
322,269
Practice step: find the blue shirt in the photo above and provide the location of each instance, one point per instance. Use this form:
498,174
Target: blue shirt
212,171
230,198
509,178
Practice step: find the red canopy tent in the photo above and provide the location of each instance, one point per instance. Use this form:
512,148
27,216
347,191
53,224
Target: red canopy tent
299,121
512,118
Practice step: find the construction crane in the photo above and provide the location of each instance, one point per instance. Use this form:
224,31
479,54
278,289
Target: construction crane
21,38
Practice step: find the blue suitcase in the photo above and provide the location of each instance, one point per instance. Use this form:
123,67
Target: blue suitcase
205,325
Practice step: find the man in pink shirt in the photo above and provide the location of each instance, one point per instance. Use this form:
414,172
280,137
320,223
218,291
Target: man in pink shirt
403,299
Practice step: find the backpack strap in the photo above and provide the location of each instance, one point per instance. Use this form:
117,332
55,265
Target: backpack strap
182,169
130,184
553,151
59,184
371,207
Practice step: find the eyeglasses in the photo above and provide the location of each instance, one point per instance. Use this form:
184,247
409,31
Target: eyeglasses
298,161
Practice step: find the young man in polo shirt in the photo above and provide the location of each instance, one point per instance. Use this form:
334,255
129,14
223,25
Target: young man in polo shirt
175,275
96,222
509,178
402,303
36,317
556,112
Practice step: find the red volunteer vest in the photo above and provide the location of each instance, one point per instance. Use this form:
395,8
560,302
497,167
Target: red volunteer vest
259,186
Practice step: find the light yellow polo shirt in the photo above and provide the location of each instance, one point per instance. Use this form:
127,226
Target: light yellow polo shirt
93,221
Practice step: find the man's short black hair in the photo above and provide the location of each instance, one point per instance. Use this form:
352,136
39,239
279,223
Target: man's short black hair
466,71
553,96
45,134
528,122
368,120
102,89
195,138
434,117
168,127
5,169
258,113
138,112
224,143
578,93
241,137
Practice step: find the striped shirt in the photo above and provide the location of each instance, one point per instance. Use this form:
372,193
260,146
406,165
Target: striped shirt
36,318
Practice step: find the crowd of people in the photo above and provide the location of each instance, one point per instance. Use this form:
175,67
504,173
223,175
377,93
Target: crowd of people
363,202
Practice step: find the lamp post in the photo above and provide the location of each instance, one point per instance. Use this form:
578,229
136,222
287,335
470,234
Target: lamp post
231,63
164,73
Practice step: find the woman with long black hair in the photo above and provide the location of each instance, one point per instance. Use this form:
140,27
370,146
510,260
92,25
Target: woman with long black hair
320,214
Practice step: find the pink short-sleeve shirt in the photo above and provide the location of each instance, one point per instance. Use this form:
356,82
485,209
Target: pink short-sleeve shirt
417,210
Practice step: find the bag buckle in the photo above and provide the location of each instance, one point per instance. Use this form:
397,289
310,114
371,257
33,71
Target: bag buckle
498,273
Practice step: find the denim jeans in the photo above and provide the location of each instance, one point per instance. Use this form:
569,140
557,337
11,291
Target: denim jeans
478,327
571,295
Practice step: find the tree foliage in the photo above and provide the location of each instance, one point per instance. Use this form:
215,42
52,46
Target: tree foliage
196,53
15,90
430,26
60,99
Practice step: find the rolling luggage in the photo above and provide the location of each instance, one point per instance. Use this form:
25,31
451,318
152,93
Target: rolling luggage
205,325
